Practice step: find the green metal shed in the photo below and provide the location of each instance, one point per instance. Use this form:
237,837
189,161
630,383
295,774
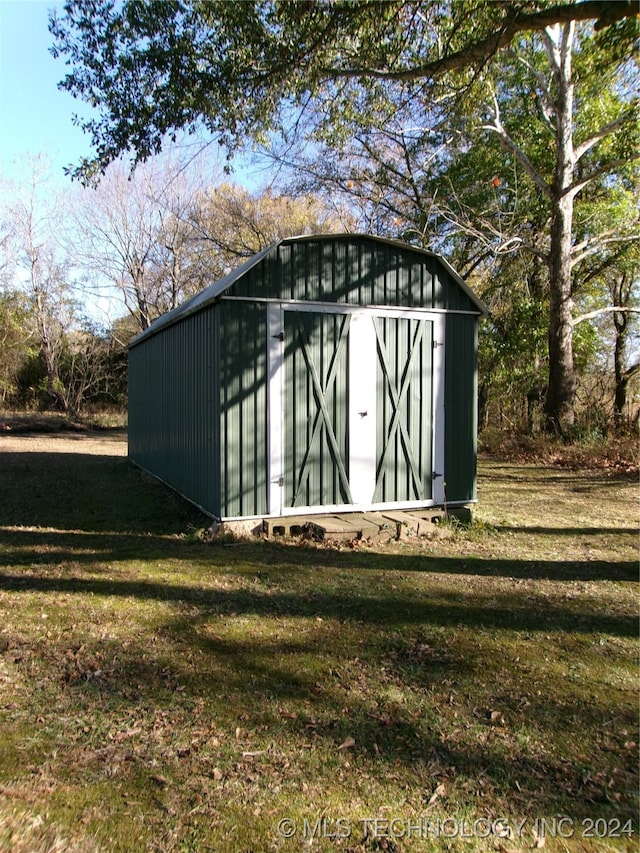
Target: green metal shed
326,373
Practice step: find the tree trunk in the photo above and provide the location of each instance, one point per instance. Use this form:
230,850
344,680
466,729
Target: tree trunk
621,295
559,408
48,349
622,381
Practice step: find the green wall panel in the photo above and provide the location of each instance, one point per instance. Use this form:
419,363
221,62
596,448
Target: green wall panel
353,270
242,384
173,408
316,409
198,407
460,407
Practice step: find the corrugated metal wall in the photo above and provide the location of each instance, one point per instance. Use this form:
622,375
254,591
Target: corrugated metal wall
174,415
353,270
242,386
460,407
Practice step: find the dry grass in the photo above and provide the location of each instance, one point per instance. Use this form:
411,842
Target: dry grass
161,693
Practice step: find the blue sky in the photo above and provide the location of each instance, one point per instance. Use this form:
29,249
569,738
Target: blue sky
35,116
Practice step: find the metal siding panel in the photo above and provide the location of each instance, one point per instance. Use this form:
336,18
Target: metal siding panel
243,411
345,275
427,286
438,296
198,409
352,269
460,407
328,267
361,270
298,271
286,283
416,284
211,451
347,283
171,401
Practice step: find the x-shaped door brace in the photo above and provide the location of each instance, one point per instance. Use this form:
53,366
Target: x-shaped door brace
397,399
322,415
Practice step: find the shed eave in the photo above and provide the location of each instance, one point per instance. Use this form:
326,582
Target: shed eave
204,298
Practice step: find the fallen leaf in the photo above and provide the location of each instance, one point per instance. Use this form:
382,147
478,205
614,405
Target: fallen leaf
159,779
440,791
349,743
289,715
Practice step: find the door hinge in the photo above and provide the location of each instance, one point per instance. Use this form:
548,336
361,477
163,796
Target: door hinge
279,336
437,344
279,481
435,475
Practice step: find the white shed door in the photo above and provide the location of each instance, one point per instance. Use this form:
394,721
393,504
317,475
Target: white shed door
355,405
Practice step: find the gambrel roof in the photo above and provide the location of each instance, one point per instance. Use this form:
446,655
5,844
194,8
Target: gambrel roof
353,269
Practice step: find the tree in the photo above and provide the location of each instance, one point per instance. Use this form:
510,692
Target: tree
616,276
37,264
249,69
51,355
234,224
92,369
157,67
443,180
17,337
136,235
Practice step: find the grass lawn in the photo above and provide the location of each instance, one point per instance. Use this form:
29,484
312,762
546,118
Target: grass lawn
158,692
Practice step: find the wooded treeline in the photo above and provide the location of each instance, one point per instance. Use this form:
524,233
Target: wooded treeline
133,247
504,136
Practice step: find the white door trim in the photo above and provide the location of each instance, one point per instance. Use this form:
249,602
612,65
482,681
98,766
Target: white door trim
362,409
438,489
275,396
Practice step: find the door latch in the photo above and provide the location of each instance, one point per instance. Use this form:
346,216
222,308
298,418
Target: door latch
279,336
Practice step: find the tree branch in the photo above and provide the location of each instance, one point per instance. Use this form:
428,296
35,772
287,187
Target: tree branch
613,309
507,142
597,244
605,169
546,103
587,145
603,12
631,371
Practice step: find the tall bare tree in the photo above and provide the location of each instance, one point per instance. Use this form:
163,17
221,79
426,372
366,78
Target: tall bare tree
233,223
38,265
135,235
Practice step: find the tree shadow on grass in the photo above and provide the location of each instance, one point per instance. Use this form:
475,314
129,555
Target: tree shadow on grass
24,548
534,474
74,521
514,610
92,493
262,683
